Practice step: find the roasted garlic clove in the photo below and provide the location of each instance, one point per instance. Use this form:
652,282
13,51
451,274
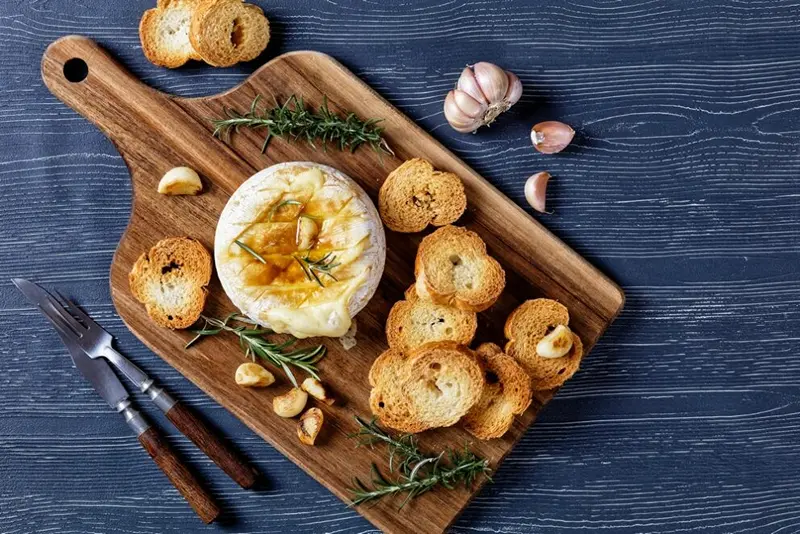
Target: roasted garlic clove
550,137
180,181
253,375
314,387
309,426
307,231
290,403
556,344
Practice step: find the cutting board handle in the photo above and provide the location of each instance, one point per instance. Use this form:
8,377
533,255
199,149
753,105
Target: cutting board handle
85,77
147,126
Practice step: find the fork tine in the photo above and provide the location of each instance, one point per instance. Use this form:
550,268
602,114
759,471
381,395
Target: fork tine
73,323
75,310
59,324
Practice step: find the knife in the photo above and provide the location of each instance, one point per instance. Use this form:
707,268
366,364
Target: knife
96,343
109,387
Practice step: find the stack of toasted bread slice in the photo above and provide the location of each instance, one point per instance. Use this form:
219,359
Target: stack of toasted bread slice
219,32
429,378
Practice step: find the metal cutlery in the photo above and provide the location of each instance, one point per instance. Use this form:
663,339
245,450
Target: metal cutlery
90,347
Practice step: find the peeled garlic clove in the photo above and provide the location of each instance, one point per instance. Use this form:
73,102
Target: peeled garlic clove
309,425
556,344
550,137
290,403
469,85
180,181
492,80
536,191
514,89
307,231
253,375
314,387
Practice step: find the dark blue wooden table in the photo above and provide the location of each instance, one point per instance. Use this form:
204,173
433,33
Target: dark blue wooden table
682,186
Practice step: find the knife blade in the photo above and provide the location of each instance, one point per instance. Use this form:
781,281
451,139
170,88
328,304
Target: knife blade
99,373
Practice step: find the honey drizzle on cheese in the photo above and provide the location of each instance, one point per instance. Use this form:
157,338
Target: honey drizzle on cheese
298,305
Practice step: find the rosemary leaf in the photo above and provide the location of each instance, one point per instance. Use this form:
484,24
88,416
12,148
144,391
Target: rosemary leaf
293,121
250,251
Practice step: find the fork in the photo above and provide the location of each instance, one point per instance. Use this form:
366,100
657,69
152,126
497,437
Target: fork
96,343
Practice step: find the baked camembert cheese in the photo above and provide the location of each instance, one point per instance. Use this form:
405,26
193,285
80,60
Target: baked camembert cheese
300,249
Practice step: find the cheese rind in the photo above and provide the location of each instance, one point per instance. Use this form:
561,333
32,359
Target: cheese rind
300,249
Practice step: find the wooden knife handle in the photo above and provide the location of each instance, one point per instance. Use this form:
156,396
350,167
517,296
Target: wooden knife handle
211,444
179,475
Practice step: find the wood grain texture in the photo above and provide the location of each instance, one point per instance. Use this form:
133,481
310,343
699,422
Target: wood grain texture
212,445
180,476
155,132
681,184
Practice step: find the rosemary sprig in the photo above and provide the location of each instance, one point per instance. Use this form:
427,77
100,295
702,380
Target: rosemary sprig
417,473
254,343
402,449
293,121
250,251
322,266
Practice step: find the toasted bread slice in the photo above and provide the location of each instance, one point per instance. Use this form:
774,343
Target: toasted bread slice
443,382
414,322
525,327
387,400
225,32
171,279
507,393
414,195
164,32
454,269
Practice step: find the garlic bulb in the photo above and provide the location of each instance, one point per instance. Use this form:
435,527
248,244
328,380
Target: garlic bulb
482,93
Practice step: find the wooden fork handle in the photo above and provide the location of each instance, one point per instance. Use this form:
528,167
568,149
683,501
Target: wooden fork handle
180,476
212,445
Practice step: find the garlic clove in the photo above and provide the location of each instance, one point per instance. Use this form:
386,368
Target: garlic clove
290,403
514,89
306,233
536,190
550,137
314,387
468,105
309,426
492,81
457,118
468,84
556,344
253,375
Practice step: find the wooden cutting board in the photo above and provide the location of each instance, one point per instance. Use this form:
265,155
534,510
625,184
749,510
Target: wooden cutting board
155,132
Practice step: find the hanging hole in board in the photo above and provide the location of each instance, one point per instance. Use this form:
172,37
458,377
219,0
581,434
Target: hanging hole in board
76,70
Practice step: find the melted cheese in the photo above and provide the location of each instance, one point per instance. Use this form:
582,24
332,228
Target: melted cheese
330,319
299,249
